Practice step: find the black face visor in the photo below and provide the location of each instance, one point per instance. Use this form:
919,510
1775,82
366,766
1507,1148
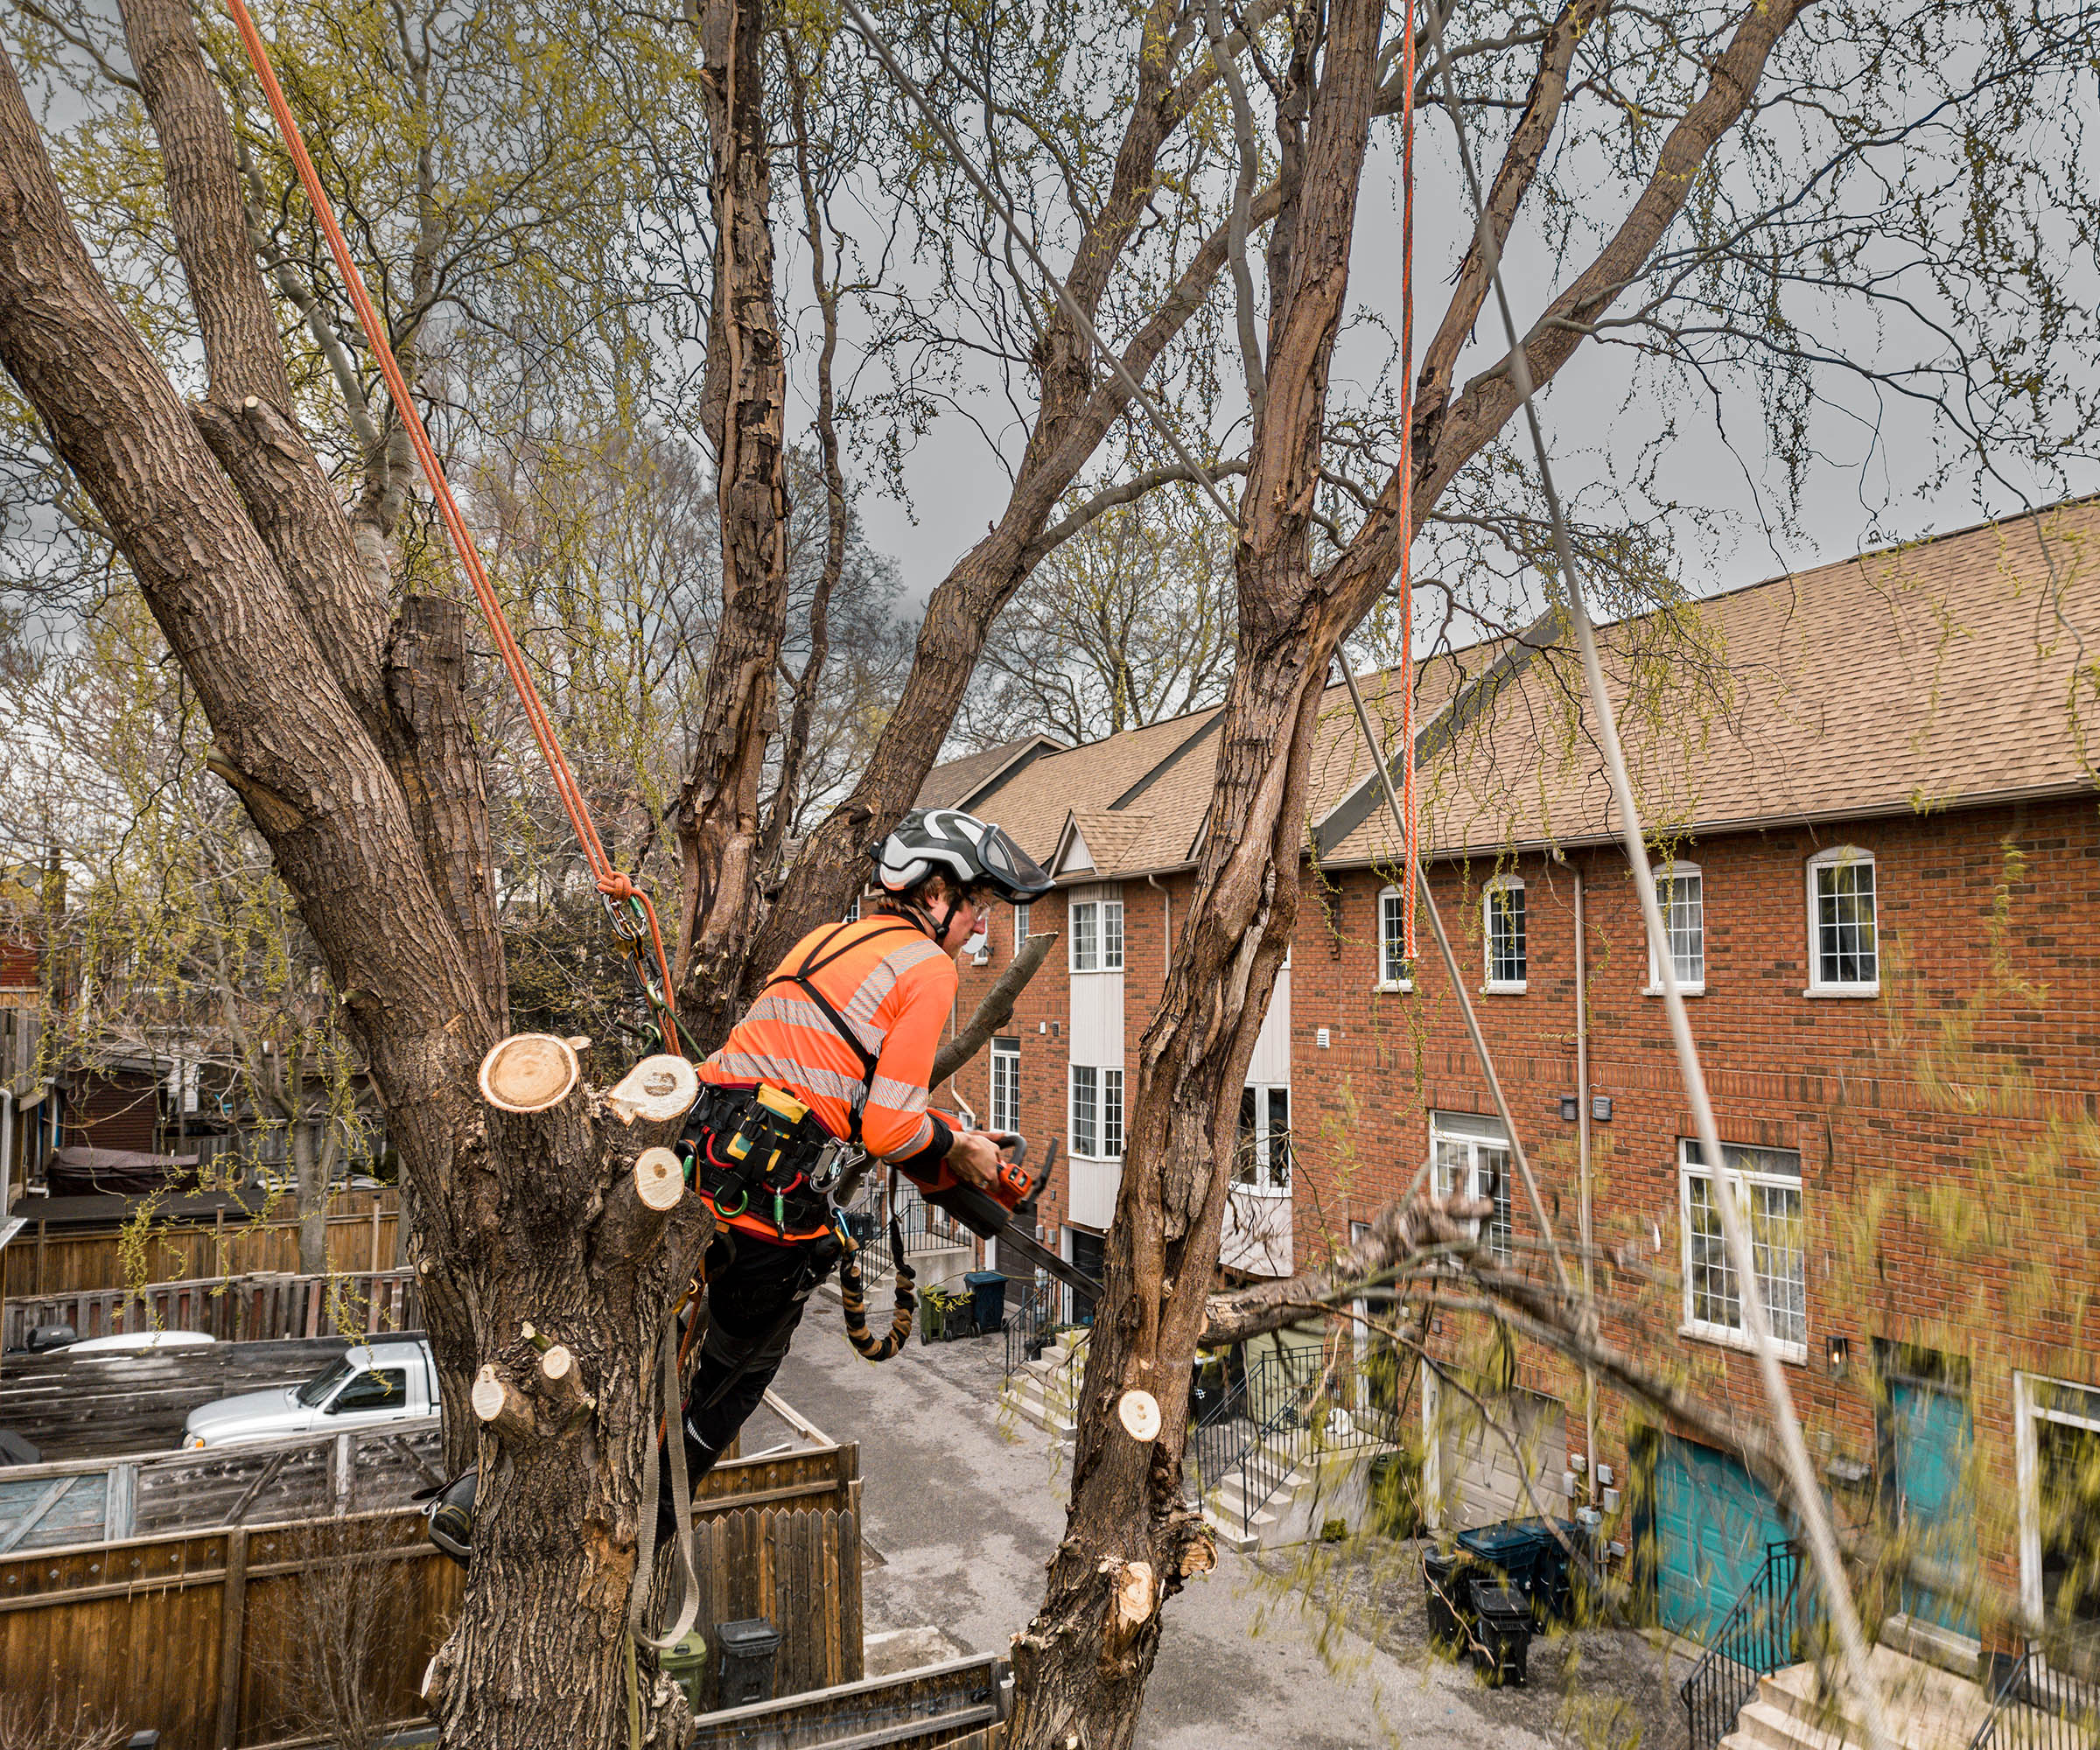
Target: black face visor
1009,872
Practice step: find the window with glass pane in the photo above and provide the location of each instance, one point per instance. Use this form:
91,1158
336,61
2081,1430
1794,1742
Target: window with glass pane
1086,937
1111,1114
1505,906
1086,1107
1846,948
1005,1084
1472,1155
1278,1139
1111,935
1262,1158
1020,927
1392,938
1766,1184
1680,894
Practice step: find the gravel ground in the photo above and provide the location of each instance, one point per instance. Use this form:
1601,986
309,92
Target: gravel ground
1605,1688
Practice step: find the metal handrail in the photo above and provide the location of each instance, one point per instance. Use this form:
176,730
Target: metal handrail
2037,1707
1757,1637
1265,1404
1029,1324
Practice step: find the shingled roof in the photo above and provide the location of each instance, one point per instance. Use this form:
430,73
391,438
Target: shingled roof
1948,672
956,783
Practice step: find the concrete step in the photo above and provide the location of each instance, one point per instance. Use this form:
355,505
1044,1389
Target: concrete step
1031,1406
1765,1726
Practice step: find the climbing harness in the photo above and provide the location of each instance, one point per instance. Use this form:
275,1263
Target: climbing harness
628,907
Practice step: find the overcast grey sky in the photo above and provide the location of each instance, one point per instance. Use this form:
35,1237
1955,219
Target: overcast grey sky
1872,486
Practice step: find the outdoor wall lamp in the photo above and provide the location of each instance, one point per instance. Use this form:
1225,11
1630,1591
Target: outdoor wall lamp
1841,1355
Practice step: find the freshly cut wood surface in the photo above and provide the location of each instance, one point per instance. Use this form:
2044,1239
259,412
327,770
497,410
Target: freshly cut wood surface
527,1073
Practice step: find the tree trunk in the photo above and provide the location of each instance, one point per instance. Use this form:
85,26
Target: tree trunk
514,1218
1130,1540
309,1177
719,824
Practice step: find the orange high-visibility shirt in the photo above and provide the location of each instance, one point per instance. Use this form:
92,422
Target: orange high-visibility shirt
895,987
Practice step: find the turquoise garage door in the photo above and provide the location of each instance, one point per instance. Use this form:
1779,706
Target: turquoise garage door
1712,1522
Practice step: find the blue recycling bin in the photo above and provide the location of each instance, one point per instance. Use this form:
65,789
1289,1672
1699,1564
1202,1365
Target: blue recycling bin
988,1299
1509,1549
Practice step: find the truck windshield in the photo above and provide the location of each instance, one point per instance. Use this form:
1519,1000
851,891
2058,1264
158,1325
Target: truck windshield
324,1382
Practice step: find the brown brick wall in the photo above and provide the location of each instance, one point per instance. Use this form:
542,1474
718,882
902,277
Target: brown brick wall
1950,1171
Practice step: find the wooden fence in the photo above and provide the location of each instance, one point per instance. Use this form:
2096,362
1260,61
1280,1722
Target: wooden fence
90,1406
43,1259
241,1309
221,1639
960,1705
310,1476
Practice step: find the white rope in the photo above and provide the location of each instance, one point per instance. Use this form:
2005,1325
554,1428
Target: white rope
1801,1473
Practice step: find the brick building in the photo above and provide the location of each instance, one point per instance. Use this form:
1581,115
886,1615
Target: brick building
1874,814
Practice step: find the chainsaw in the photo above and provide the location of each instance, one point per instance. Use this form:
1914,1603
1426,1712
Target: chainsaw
1007,1213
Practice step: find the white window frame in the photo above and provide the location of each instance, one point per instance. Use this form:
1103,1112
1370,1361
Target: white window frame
1470,1141
1020,928
1666,879
2028,1390
1084,1144
1394,973
1084,953
1840,857
853,910
1742,1177
1111,1113
1096,936
1264,1182
1504,885
1006,1100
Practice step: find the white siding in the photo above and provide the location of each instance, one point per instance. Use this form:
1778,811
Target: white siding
1093,1186
1271,1062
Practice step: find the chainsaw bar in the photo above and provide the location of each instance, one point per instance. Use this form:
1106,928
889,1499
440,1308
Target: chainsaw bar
1042,1258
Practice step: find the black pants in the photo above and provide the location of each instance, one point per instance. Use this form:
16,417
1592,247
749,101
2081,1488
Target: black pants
755,1295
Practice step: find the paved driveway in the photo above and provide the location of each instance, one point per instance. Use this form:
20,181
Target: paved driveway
965,1512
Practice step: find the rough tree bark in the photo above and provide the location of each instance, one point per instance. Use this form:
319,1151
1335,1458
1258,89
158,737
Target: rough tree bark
1130,1540
341,729
718,819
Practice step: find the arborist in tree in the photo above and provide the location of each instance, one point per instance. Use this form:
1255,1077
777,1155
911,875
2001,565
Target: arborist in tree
837,1050
834,1057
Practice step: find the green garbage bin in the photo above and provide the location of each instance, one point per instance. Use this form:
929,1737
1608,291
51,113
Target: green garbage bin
683,1663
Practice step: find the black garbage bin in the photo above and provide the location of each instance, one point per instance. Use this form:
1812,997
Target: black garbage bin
747,1650
1445,1595
1502,1631
1552,1586
988,1291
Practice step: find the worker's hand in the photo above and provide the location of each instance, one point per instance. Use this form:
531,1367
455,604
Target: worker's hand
973,1157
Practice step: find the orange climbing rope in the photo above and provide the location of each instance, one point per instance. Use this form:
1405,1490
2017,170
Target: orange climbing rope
627,901
1412,850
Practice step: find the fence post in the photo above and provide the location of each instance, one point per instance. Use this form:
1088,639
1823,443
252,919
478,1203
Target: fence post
344,1461
233,1634
119,1491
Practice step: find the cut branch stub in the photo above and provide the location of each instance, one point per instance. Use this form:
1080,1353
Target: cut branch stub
527,1073
656,1090
659,1179
1139,1414
562,1383
500,1408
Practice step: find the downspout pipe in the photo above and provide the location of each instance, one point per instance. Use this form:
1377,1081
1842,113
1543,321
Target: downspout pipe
1167,929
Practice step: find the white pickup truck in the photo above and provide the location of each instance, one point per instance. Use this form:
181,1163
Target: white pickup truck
371,1384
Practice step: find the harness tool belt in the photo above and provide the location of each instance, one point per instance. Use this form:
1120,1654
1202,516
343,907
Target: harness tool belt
756,1154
